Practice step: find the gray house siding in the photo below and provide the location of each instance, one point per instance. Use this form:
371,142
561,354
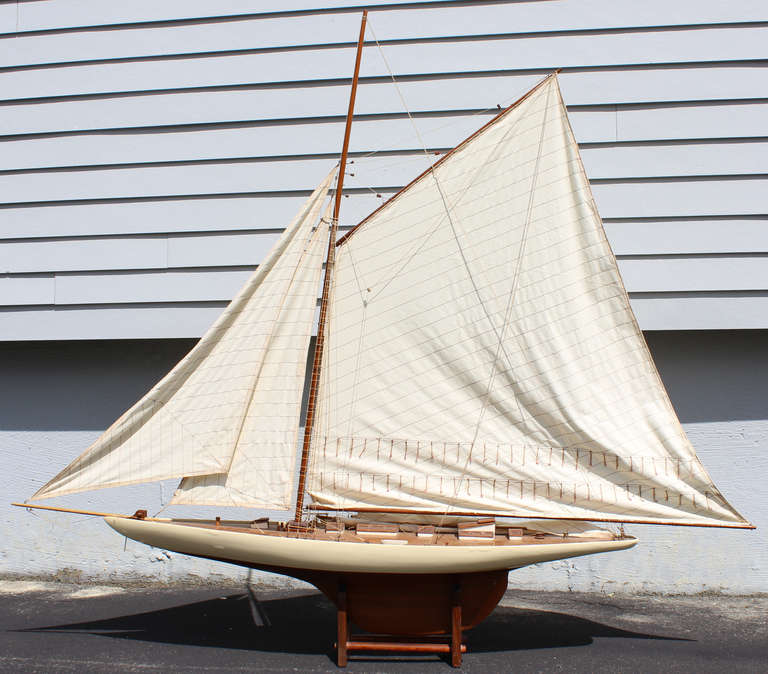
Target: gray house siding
152,151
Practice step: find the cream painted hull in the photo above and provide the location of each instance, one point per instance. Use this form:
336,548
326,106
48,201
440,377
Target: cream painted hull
253,549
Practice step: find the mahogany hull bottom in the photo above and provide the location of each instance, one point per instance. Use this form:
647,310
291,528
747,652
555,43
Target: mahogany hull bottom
403,604
408,604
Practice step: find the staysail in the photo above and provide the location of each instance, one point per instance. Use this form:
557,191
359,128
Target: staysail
194,421
263,464
481,354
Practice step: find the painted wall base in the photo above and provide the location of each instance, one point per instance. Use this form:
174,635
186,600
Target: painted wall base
57,397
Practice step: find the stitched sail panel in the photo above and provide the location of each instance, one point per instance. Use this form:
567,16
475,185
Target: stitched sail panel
482,355
262,466
193,420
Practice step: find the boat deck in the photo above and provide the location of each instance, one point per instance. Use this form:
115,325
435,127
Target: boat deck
501,537
380,548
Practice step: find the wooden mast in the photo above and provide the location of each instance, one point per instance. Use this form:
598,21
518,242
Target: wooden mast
315,378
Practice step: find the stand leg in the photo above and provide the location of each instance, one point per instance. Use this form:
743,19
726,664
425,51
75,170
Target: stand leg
445,644
456,627
342,626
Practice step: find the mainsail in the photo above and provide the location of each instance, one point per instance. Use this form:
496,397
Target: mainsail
233,401
481,354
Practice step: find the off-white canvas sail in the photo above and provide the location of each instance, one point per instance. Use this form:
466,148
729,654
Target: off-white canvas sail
263,463
193,420
482,355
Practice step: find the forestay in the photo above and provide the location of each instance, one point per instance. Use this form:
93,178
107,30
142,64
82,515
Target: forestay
234,400
482,355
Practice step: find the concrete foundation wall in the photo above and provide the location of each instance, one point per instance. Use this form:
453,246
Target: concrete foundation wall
57,397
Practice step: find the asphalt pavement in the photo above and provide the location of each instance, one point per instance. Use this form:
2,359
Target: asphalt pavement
58,627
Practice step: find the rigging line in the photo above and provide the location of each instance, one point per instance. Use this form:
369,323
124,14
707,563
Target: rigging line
355,386
510,301
401,97
492,325
361,337
444,199
469,184
163,508
503,104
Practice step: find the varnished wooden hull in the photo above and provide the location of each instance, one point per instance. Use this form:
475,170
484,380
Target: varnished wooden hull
414,604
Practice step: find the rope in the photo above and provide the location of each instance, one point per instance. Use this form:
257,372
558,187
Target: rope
510,301
446,207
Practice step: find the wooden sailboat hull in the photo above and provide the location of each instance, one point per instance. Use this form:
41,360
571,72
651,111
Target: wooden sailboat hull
401,590
412,604
388,589
248,549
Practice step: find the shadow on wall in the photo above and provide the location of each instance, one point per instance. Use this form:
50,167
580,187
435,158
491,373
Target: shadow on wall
79,386
86,385
715,375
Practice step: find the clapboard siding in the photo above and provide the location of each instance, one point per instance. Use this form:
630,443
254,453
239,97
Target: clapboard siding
121,253
296,101
683,198
166,215
741,245
695,275
425,58
195,244
658,198
602,163
678,198
693,311
678,234
700,311
718,123
108,322
688,236
161,286
524,16
666,122
153,151
300,33
27,290
192,285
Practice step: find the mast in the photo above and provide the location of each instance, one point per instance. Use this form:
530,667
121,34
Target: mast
315,377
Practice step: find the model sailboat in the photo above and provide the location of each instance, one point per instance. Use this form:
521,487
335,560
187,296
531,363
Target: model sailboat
477,358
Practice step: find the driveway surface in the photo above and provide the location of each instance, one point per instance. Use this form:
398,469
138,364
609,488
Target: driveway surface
54,627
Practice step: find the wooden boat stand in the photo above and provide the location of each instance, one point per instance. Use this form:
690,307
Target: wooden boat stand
402,613
451,644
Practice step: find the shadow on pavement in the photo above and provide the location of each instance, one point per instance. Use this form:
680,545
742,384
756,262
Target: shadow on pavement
306,624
